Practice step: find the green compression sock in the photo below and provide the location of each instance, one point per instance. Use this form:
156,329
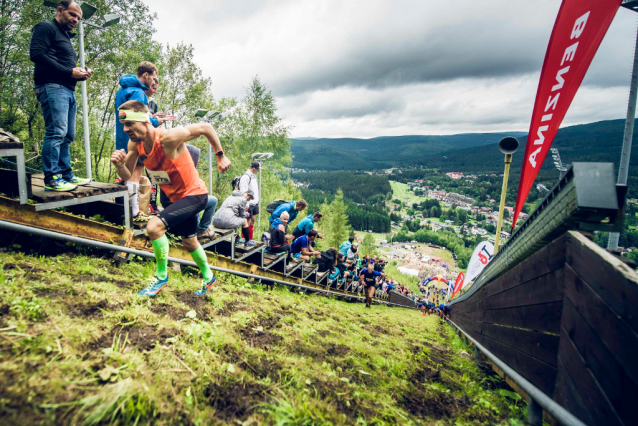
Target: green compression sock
199,256
160,248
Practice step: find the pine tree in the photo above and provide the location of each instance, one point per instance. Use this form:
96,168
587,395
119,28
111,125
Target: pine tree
324,227
340,229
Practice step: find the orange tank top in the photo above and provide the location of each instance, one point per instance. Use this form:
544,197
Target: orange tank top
177,177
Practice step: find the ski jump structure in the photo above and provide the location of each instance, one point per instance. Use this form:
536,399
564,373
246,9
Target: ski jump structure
556,314
553,313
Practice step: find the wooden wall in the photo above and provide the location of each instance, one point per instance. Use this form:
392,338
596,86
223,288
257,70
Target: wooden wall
517,315
598,353
566,319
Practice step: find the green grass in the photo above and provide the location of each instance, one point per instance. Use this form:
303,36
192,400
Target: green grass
78,346
409,281
401,190
377,236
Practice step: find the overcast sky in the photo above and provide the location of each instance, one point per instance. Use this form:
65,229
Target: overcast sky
390,67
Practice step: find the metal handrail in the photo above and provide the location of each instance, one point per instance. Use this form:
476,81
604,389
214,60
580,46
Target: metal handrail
538,399
112,247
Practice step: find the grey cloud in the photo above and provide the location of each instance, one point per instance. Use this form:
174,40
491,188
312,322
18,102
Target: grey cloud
426,61
475,49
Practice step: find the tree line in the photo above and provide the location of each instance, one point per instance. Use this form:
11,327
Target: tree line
361,217
357,187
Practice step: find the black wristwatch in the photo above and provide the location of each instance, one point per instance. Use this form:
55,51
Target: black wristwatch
219,154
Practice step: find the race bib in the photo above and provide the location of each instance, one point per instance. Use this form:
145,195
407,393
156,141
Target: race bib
159,177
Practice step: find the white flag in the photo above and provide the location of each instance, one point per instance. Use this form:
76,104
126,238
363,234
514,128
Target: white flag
482,255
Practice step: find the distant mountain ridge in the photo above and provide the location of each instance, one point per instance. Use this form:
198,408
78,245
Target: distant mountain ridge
599,141
381,152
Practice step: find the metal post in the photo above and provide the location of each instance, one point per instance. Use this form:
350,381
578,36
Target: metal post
85,106
259,215
127,212
506,175
534,413
22,177
210,170
623,169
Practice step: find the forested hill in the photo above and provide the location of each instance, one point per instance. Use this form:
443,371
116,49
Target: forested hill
594,142
382,152
600,141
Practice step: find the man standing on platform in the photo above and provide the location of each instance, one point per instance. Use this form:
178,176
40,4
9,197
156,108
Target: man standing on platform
55,77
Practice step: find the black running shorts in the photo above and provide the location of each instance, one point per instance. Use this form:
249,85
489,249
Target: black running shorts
253,210
181,217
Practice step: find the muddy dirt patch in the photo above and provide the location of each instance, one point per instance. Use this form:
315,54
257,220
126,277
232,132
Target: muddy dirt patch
4,310
167,310
338,395
321,353
262,368
260,339
230,308
197,303
92,310
235,400
436,406
143,338
337,350
24,267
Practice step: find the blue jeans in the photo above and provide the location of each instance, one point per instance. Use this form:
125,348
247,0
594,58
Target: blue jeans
207,216
58,108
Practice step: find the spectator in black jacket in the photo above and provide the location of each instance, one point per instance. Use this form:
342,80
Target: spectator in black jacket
327,260
278,236
55,76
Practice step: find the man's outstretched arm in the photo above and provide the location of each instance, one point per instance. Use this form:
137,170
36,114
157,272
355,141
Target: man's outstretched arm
179,135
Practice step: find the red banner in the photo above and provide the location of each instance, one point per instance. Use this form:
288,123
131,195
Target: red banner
458,284
578,31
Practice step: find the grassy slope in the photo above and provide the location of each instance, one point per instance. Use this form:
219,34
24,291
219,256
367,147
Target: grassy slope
77,346
401,190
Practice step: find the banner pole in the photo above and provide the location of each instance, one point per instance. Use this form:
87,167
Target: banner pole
506,175
623,169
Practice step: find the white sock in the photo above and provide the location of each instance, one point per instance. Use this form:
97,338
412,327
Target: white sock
134,190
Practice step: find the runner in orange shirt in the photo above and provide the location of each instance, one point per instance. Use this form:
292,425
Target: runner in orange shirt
170,166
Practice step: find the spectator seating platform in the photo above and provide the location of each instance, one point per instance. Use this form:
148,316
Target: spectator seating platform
220,235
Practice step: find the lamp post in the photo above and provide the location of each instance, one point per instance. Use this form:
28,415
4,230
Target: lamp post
109,19
209,116
508,146
261,156
558,163
625,154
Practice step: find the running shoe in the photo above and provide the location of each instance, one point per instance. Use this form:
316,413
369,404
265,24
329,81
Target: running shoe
59,184
240,241
119,181
206,286
250,243
141,217
154,286
78,180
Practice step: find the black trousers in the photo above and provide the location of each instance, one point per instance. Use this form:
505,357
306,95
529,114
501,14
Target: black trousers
281,249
